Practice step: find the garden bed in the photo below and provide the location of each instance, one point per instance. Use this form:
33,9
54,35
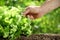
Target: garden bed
41,37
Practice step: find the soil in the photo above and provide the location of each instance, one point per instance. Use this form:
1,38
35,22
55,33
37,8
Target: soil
41,37
38,37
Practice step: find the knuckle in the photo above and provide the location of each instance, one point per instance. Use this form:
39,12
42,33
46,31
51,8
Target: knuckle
28,8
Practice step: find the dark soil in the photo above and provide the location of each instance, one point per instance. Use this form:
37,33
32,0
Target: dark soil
41,37
38,37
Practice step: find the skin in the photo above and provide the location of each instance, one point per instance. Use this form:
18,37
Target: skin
34,12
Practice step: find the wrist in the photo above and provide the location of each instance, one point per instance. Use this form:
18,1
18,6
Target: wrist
48,6
41,12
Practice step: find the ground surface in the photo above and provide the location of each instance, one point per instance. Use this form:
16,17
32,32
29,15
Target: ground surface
42,37
38,37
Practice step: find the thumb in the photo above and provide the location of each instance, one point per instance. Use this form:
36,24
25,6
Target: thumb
26,12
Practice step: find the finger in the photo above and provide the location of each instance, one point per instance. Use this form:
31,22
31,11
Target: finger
36,16
31,17
26,12
27,8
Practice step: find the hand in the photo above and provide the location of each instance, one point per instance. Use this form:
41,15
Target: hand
32,12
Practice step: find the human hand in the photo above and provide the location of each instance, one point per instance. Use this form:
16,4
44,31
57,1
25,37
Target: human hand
33,12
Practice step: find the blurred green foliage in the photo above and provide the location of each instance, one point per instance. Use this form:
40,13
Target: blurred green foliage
13,23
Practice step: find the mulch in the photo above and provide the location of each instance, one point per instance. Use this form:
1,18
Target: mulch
41,37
